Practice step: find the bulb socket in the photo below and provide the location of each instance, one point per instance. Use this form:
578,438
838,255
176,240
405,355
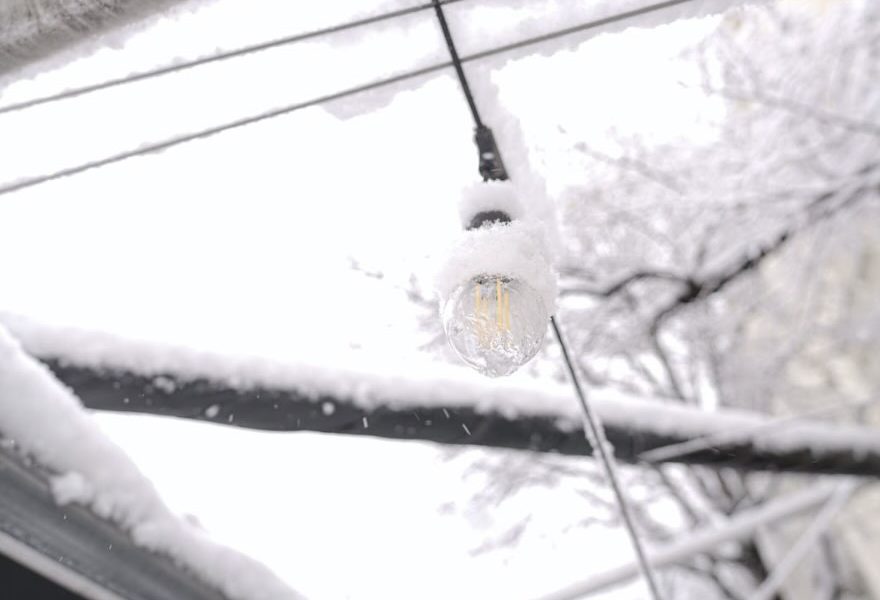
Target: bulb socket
491,165
488,217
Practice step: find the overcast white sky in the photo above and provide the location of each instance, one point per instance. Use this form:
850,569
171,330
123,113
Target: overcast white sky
241,243
242,240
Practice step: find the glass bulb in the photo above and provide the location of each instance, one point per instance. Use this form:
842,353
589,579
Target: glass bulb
495,323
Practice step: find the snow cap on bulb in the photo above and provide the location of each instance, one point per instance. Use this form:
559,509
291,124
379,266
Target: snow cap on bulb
516,249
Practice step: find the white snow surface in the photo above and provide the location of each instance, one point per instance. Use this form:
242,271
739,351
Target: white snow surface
420,382
48,422
517,249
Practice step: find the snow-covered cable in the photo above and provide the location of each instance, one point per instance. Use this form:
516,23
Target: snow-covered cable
667,453
181,139
220,56
596,436
205,133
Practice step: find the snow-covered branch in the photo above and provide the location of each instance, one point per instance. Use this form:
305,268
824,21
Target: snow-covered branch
740,527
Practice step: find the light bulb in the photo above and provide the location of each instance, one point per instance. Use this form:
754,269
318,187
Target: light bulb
495,323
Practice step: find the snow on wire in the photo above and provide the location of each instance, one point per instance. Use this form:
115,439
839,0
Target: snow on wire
220,56
152,147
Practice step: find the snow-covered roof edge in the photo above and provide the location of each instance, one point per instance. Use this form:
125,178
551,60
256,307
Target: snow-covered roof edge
48,423
31,30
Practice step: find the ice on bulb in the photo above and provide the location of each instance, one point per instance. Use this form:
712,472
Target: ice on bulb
495,323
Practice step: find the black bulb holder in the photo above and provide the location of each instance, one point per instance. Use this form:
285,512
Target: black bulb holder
487,218
491,165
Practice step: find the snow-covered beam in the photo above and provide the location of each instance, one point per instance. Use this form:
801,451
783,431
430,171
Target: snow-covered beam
633,427
34,29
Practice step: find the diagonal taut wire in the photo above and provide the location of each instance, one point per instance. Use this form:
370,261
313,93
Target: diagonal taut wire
595,434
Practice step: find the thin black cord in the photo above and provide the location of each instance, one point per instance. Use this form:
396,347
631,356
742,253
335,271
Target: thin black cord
284,41
175,141
595,434
456,62
72,93
616,18
155,147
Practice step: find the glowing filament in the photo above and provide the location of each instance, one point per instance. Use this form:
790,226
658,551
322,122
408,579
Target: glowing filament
499,305
478,321
482,311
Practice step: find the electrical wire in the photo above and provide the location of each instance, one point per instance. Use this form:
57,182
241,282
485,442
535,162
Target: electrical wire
491,166
204,133
595,434
174,141
456,62
220,56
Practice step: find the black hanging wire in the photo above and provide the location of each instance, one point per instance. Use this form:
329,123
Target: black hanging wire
491,165
456,63
595,434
